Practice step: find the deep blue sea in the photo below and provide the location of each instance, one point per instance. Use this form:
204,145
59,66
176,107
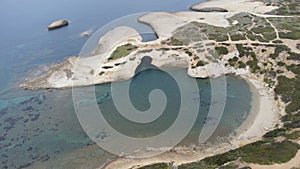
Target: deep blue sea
39,129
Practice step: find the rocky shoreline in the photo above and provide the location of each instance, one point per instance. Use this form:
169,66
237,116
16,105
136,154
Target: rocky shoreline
83,71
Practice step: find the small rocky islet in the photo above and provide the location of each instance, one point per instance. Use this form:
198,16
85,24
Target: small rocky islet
58,24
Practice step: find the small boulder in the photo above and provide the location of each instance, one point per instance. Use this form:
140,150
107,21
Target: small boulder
58,24
84,34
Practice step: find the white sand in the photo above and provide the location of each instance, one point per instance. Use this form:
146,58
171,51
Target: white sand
236,6
264,114
164,23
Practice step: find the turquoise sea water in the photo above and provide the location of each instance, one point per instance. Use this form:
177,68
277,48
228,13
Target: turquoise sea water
39,129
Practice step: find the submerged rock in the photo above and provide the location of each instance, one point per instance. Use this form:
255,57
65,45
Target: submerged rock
210,9
84,34
58,24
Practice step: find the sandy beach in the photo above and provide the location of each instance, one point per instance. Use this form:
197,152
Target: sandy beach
262,118
264,114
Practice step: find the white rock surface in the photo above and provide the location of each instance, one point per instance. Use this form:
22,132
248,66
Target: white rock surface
236,6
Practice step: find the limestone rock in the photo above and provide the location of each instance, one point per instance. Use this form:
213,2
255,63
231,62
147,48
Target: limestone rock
58,24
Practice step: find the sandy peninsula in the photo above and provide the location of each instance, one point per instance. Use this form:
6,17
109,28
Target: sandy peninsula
84,71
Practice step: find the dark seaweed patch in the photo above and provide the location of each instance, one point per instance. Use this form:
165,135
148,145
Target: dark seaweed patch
2,138
8,128
25,165
3,111
29,149
35,117
28,109
12,121
32,99
45,158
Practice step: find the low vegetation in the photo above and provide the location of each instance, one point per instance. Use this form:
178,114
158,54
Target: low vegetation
221,50
289,90
261,152
286,7
176,42
122,51
158,166
200,63
288,27
266,152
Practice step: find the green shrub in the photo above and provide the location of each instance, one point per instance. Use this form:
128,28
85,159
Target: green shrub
261,30
294,35
293,56
278,50
232,61
221,38
280,63
275,133
237,37
221,50
253,66
293,136
269,36
261,152
176,42
189,53
157,166
122,51
241,64
200,63
291,120
269,153
277,41
294,68
289,90
279,71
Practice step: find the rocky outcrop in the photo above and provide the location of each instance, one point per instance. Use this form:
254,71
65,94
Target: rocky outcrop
210,9
58,24
84,34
